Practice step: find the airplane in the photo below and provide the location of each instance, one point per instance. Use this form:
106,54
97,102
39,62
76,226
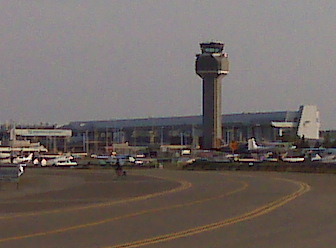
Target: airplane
272,146
324,155
292,158
23,159
252,145
56,159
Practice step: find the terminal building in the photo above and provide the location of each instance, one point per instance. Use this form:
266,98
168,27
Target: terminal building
104,136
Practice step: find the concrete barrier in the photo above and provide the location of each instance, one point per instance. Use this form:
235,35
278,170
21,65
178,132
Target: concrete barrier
306,167
10,173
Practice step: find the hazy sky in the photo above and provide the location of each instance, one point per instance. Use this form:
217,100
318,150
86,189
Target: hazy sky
70,60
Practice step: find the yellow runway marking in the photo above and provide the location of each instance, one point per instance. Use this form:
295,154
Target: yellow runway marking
247,216
183,186
243,187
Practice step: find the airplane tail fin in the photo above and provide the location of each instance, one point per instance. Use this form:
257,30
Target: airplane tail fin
30,157
252,144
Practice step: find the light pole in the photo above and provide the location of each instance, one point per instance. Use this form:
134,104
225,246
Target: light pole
161,141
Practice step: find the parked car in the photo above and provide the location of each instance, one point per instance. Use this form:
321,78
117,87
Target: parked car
65,162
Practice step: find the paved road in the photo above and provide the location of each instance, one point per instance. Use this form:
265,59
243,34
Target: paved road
163,208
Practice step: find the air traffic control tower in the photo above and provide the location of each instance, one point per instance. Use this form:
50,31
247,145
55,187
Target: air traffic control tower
212,65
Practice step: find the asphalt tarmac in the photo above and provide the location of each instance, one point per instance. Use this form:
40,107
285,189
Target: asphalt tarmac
166,208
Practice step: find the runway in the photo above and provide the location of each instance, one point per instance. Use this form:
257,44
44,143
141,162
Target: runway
166,208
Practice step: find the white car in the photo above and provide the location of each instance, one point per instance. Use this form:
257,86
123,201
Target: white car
65,162
138,162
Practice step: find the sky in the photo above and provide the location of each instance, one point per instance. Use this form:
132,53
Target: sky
80,60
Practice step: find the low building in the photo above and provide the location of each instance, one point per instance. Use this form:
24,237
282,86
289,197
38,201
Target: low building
99,136
35,138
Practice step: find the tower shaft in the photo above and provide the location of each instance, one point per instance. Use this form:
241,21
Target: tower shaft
212,121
